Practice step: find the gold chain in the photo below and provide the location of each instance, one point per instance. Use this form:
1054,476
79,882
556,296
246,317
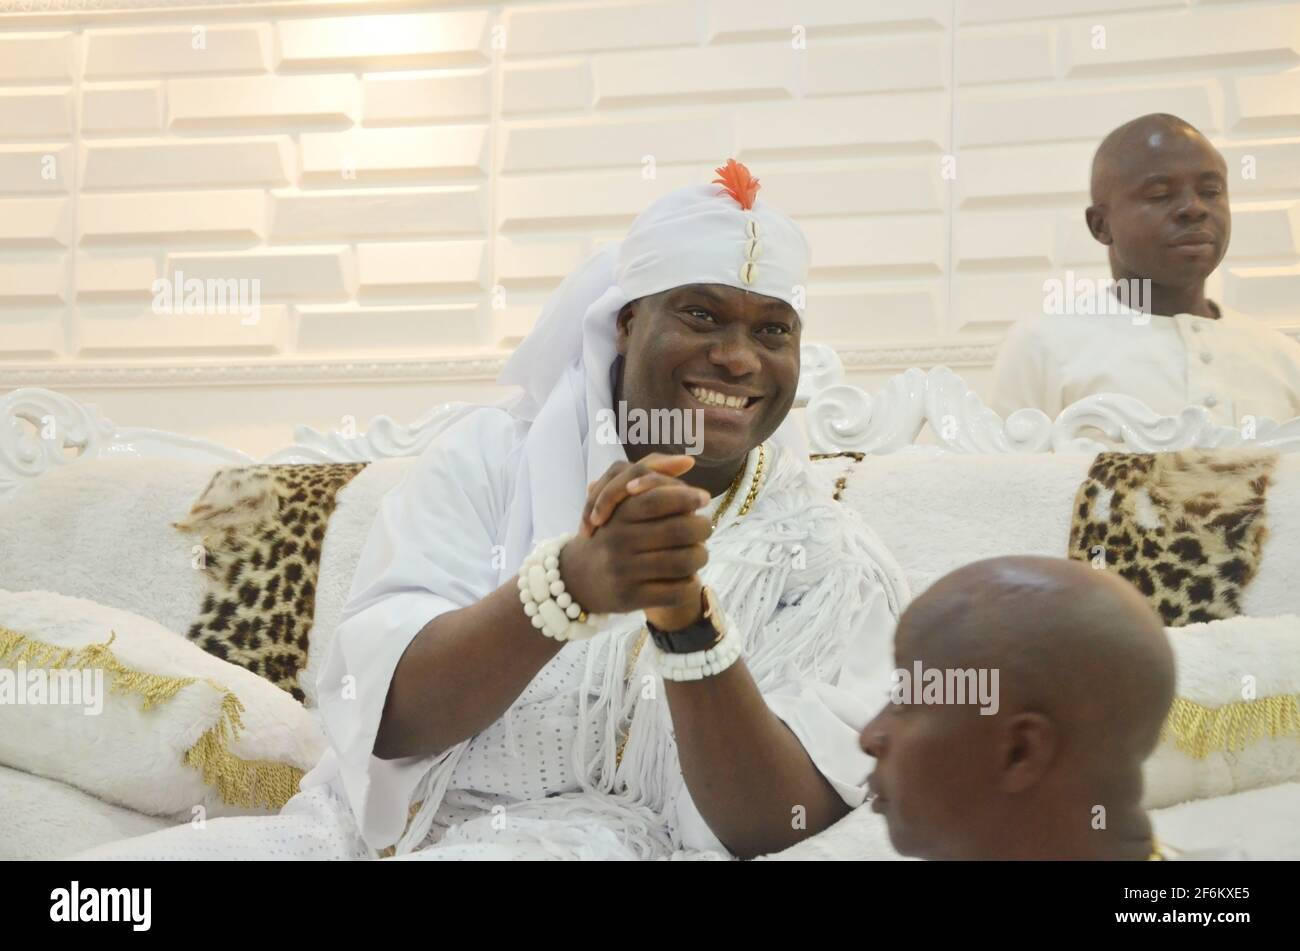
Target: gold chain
754,485
729,497
745,506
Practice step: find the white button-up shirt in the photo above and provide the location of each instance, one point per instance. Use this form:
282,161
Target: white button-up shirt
1234,366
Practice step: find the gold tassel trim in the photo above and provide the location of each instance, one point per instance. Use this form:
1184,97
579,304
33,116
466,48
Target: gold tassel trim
414,808
1200,731
239,782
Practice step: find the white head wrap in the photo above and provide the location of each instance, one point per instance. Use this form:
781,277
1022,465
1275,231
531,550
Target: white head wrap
698,234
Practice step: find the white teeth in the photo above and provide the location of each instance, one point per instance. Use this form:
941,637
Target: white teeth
714,398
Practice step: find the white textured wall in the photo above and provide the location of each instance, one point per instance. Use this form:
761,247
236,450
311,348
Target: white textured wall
478,167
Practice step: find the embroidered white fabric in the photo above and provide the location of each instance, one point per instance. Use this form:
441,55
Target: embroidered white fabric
796,576
812,592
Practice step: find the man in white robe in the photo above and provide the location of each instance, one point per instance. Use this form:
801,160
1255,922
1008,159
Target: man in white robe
459,730
1160,206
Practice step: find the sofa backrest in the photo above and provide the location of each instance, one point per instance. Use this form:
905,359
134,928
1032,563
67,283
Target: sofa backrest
936,513
101,529
99,524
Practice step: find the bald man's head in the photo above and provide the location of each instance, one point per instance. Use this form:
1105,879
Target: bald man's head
1085,680
1160,201
1136,141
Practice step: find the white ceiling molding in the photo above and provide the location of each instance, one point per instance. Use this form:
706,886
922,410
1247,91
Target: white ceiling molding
471,369
56,7
477,368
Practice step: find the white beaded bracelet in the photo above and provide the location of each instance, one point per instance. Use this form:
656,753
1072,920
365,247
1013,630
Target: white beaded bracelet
700,664
548,605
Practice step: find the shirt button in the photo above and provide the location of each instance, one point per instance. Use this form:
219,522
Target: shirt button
1211,402
1196,328
1206,357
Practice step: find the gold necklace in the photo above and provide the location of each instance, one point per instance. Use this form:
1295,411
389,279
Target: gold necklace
729,497
754,485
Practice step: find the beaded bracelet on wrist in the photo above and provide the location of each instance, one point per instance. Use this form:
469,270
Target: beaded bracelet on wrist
546,601
699,664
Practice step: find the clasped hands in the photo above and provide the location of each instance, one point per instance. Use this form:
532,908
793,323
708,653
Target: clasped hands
641,543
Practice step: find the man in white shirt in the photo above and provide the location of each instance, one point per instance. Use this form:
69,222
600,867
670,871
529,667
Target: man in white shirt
474,708
1160,206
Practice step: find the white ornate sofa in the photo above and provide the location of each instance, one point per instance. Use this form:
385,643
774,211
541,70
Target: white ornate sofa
86,508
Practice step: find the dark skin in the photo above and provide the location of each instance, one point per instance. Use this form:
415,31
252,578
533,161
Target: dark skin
640,546
1160,205
729,340
1086,679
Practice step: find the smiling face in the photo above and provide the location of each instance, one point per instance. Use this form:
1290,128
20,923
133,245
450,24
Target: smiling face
731,354
1160,202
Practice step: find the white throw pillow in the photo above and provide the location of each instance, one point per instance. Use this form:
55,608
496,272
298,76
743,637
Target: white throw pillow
1235,724
149,721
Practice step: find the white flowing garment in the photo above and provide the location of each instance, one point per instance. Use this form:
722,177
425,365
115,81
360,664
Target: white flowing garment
796,574
813,593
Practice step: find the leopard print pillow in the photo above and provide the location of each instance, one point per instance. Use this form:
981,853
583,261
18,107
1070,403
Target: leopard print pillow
1186,528
260,530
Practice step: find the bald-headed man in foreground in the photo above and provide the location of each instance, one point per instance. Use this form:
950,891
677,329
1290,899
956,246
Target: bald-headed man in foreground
1085,680
1160,207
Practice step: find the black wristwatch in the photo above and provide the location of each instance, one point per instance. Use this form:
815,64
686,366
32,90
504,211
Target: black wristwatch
700,636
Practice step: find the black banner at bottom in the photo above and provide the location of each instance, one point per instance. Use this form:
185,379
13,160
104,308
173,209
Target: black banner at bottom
1174,899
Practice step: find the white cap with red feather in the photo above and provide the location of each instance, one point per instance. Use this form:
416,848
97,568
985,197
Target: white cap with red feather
698,234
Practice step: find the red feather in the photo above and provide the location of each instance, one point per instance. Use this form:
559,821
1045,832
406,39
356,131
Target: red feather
737,182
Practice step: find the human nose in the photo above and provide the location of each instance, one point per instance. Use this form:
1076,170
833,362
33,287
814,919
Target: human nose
1192,208
873,737
734,352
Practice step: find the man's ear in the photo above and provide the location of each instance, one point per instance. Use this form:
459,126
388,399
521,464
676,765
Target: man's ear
624,327
1028,747
1098,223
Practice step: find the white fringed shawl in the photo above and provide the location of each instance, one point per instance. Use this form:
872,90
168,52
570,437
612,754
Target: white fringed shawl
795,575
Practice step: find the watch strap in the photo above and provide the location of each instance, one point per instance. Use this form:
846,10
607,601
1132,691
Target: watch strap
699,636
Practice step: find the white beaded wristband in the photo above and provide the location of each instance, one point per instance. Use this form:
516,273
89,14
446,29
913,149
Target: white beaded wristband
700,664
548,605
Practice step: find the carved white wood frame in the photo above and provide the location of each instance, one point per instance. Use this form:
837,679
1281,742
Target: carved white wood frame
843,417
41,429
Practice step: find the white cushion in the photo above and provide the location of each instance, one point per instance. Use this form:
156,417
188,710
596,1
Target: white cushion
44,819
136,757
1258,824
1213,661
